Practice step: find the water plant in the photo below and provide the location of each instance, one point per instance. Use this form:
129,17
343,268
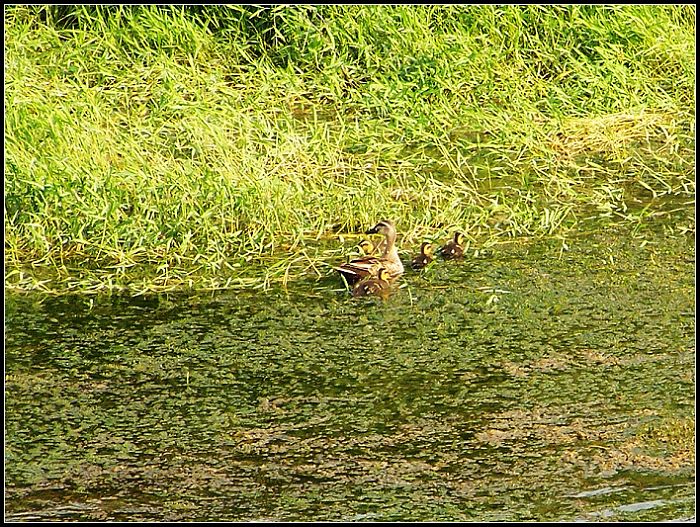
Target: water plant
151,148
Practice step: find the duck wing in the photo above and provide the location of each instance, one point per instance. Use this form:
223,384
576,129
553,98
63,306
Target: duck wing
354,270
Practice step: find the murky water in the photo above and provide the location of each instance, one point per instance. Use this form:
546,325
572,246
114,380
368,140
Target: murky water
531,382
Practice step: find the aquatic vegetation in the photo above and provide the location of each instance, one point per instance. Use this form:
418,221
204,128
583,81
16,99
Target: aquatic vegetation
155,148
546,380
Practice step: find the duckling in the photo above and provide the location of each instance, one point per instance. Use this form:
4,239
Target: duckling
366,247
453,249
425,256
373,286
368,266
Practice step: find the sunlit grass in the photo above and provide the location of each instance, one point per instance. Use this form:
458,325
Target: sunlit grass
154,148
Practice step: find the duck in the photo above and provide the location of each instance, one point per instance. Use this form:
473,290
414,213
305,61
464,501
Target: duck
368,266
453,249
378,285
425,256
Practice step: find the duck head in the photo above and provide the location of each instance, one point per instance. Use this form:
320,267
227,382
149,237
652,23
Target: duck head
385,227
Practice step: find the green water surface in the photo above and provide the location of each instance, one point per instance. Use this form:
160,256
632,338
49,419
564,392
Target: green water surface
541,380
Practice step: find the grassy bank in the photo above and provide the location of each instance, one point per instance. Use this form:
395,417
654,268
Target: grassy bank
156,148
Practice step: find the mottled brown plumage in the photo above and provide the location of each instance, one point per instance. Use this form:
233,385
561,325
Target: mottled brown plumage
368,266
378,285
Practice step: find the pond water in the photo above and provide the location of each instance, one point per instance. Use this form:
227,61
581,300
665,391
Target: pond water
534,381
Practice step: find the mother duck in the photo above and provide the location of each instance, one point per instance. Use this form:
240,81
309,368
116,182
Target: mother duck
369,266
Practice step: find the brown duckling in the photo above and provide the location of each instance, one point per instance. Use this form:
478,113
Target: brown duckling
368,266
425,256
378,285
453,249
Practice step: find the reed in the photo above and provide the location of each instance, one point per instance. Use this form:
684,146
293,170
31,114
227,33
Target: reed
157,148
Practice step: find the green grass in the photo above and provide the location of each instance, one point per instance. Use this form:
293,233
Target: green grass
152,148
